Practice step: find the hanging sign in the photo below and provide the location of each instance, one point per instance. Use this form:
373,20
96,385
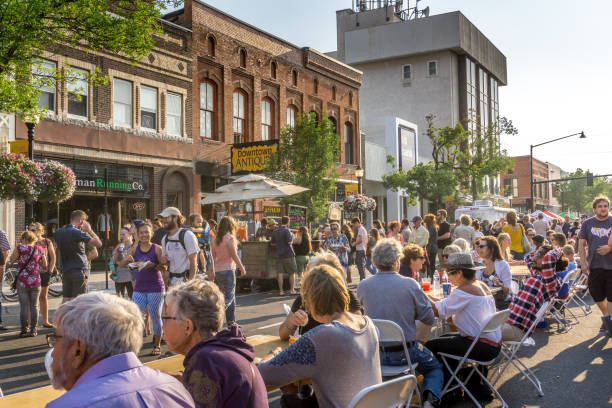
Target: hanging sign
297,216
138,205
252,157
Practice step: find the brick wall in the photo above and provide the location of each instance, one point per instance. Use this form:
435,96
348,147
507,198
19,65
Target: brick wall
521,171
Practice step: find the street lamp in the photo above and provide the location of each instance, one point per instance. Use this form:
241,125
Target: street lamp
532,204
359,174
30,121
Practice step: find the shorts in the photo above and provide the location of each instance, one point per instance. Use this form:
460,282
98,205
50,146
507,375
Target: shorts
74,283
44,279
600,284
287,266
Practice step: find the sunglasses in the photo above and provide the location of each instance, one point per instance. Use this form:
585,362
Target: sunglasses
482,246
445,256
420,257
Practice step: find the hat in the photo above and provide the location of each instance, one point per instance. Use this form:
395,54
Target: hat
271,221
538,239
168,211
460,260
416,218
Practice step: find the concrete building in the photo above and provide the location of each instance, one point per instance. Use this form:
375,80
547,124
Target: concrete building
413,67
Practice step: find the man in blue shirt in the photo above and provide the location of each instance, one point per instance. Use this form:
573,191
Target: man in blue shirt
71,241
282,239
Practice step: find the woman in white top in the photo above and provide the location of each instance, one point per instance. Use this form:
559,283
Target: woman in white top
496,271
469,305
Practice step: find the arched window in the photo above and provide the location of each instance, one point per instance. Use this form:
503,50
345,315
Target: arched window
316,115
350,99
294,78
273,68
291,115
267,119
239,116
334,124
333,93
211,45
207,109
316,86
349,143
243,58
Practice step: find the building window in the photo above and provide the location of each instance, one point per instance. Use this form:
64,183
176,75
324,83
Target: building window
78,92
122,102
316,115
294,78
407,72
350,99
511,187
148,107
44,73
273,68
243,58
316,86
211,46
432,68
334,124
349,143
239,117
291,115
174,114
267,119
207,109
333,93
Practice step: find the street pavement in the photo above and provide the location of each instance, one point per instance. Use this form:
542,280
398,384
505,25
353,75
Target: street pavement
574,367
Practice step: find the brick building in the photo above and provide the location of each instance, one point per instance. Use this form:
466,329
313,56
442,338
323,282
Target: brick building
132,135
250,84
516,184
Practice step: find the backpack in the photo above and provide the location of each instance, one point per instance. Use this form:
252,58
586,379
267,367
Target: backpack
181,238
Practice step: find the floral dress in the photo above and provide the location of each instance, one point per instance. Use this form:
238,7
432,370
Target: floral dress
30,273
333,245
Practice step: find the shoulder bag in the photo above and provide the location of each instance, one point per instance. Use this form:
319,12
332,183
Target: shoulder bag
14,284
524,241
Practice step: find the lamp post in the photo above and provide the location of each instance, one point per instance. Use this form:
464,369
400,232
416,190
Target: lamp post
359,174
30,122
532,204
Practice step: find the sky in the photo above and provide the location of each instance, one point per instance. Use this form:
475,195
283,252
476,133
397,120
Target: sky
559,60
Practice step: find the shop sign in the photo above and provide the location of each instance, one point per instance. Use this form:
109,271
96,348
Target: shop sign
297,216
274,212
138,205
114,185
252,157
334,212
350,189
19,146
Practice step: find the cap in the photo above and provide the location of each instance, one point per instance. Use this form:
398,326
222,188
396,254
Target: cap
271,221
168,211
460,260
417,218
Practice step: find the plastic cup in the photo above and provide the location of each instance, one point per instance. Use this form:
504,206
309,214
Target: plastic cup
426,284
446,289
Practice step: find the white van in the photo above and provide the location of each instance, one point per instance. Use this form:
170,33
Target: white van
483,210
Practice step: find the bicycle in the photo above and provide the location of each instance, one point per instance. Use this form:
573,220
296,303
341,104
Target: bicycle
10,274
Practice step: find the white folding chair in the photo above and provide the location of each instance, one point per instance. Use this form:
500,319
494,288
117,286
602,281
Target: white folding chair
391,332
580,284
493,323
510,348
557,307
395,393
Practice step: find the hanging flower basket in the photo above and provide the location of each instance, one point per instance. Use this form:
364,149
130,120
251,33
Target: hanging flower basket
18,176
359,203
56,182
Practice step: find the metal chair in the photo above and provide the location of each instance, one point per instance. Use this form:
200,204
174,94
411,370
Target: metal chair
580,284
493,323
510,349
391,332
395,393
558,306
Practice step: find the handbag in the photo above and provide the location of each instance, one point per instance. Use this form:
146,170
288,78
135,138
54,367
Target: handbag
14,284
525,242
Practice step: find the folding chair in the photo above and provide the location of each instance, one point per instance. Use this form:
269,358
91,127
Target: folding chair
510,348
391,332
493,323
558,305
395,393
580,284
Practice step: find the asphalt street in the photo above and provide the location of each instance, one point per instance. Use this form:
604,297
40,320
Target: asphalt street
573,367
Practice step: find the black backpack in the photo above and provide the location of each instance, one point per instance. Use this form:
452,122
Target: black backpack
181,238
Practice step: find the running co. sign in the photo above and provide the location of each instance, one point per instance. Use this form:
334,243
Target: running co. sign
252,157
98,184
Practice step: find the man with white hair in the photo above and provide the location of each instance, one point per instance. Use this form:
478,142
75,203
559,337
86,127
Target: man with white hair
94,357
404,303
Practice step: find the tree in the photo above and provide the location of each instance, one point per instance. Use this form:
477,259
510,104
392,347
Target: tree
577,196
306,156
29,28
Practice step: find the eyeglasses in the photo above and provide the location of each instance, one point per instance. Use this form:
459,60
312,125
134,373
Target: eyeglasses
170,318
420,257
482,246
52,339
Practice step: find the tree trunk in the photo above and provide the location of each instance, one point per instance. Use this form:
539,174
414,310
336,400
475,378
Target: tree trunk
474,189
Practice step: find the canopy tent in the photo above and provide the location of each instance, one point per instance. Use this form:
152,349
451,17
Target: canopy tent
571,216
551,214
547,217
252,187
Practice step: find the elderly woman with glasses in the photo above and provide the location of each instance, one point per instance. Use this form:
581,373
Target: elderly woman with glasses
412,261
219,369
469,305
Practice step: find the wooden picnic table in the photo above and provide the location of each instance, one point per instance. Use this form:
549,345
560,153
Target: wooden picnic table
39,397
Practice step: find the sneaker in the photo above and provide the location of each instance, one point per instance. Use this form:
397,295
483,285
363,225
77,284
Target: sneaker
431,401
608,324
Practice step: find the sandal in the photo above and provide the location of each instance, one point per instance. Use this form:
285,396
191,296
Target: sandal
48,325
33,333
156,351
24,333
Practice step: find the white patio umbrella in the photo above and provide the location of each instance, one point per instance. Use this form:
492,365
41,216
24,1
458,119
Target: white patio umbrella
251,187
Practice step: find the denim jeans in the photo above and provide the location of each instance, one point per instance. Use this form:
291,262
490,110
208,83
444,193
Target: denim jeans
28,299
429,366
360,261
226,280
518,256
370,266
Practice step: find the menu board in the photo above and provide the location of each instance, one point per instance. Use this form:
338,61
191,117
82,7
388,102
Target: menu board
297,216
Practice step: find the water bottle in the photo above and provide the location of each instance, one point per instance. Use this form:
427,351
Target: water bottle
436,282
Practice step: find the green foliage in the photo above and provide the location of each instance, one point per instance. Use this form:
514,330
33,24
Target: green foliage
29,28
577,196
306,156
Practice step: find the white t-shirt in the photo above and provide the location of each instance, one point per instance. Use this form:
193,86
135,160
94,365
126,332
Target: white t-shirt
502,272
179,258
364,239
540,227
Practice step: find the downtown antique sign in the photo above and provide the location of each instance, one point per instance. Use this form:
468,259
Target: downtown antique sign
252,157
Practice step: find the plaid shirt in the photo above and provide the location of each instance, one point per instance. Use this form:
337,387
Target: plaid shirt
536,290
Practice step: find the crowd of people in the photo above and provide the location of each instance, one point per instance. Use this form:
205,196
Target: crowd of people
183,278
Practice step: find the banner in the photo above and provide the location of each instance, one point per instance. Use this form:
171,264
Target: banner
350,189
252,157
